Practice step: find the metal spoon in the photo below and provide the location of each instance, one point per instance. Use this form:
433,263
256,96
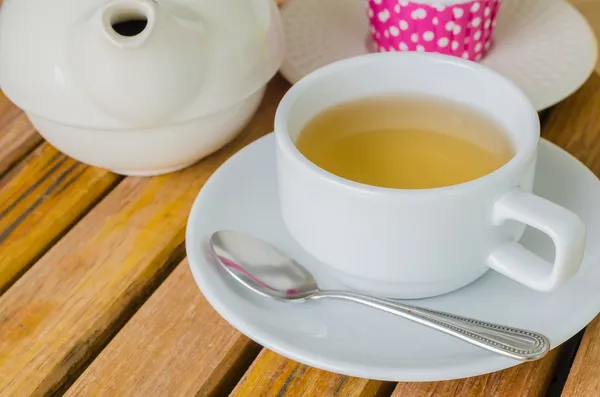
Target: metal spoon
266,270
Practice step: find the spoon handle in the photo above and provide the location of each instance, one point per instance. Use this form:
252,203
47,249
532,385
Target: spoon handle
515,343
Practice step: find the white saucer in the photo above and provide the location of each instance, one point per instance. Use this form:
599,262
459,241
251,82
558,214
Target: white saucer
353,340
546,47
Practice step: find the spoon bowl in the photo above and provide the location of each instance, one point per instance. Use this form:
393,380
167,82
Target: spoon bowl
262,268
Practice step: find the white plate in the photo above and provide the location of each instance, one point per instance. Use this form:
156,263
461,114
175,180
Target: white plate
353,340
546,47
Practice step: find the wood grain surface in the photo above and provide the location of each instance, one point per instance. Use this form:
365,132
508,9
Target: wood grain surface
276,376
175,345
17,135
525,380
574,124
62,312
39,202
584,376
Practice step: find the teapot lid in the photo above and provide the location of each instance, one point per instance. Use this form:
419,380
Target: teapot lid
68,61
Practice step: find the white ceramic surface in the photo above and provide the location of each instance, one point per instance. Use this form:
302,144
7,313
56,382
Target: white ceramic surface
358,341
425,242
546,47
146,103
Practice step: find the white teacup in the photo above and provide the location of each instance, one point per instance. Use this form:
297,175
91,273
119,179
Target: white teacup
420,243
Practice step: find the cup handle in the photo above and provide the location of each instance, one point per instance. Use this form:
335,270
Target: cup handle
566,230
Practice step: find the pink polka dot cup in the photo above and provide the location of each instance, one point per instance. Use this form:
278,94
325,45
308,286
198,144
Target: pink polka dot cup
453,27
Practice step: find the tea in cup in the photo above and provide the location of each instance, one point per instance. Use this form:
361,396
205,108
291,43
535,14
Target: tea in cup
405,142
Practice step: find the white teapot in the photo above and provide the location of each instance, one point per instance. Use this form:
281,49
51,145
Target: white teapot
141,87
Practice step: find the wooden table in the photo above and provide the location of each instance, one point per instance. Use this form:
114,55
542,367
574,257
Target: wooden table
96,297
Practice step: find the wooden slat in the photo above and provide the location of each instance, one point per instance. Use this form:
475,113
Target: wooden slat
526,380
64,310
175,345
584,377
17,135
574,124
39,202
274,375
